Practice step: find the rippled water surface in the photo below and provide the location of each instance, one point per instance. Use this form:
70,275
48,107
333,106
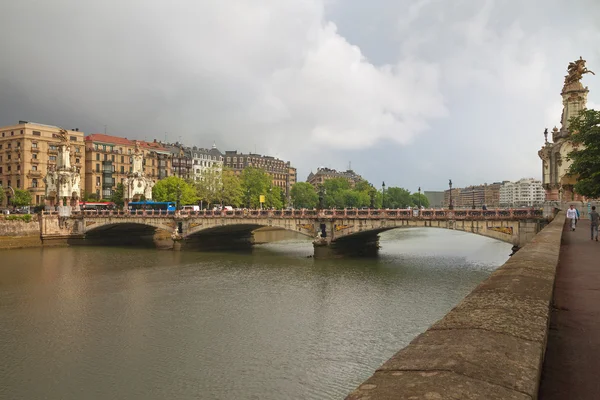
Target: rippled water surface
114,323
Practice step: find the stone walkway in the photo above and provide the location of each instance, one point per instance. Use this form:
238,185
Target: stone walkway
572,363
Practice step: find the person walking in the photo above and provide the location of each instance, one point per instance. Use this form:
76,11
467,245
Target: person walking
572,215
594,219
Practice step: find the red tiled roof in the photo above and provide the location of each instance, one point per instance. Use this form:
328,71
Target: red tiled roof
100,137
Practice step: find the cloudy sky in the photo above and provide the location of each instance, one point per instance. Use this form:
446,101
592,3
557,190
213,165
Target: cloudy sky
411,92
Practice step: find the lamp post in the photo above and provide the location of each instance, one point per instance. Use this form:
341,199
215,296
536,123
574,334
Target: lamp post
473,193
178,195
383,195
419,198
450,206
248,195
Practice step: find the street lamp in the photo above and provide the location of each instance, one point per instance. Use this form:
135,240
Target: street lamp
450,206
473,193
419,197
178,195
248,195
383,195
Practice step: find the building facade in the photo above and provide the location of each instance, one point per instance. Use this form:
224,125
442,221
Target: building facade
109,160
205,161
283,175
318,178
555,155
474,196
523,193
27,151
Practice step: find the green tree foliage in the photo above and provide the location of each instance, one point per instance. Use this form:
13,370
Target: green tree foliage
172,188
255,182
304,195
396,197
2,195
117,196
586,156
21,198
233,195
273,198
208,188
424,201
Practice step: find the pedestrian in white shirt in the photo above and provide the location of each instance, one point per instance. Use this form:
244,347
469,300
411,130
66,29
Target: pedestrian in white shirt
572,215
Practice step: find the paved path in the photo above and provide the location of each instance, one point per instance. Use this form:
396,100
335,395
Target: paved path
572,364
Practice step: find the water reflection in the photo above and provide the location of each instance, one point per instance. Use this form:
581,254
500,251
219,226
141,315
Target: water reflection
146,324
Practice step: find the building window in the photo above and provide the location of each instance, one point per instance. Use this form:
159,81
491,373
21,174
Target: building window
122,158
73,138
112,158
53,147
9,156
97,167
18,184
0,172
35,133
18,167
97,157
34,156
52,158
128,151
34,145
77,149
34,167
77,161
106,157
97,181
13,134
122,169
34,182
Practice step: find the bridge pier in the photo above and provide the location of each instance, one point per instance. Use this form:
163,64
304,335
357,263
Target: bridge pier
366,245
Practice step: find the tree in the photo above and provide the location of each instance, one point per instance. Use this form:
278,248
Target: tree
304,195
396,197
174,189
117,196
419,199
233,194
208,188
21,198
255,182
273,198
2,195
586,155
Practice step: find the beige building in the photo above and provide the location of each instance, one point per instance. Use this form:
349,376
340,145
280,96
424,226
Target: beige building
478,196
318,178
27,149
283,175
109,159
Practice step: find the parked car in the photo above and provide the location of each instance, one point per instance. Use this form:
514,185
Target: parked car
190,208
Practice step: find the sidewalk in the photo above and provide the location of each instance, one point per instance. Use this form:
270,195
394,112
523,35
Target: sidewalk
572,363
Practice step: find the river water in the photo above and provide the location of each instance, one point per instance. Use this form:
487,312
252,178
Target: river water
123,323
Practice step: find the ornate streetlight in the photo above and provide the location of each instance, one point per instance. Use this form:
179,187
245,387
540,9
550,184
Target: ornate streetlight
473,193
383,195
450,206
419,198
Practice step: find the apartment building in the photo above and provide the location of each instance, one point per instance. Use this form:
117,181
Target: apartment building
318,178
283,175
477,196
525,192
109,159
27,150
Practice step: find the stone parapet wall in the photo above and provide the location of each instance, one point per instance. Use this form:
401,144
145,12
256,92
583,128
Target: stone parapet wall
491,345
17,234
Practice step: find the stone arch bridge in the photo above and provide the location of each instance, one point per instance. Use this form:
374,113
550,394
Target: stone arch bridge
343,231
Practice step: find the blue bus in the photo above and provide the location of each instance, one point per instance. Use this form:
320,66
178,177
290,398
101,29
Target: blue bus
163,206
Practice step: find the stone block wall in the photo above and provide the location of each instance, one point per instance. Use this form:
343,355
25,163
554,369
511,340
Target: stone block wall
491,345
18,234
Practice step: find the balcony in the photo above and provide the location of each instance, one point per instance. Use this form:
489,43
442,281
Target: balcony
50,151
34,173
35,150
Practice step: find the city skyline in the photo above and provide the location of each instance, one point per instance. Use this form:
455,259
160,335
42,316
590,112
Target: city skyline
411,93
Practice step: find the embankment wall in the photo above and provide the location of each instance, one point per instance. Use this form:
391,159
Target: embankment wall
491,345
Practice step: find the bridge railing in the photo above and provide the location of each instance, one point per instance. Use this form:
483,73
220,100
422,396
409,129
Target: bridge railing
424,214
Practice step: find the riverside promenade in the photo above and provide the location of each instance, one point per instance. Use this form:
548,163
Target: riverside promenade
570,369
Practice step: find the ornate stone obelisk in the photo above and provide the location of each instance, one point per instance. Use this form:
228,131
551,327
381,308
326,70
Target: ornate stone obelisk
137,185
555,164
63,180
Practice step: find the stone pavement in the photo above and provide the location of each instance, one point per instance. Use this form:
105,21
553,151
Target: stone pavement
572,362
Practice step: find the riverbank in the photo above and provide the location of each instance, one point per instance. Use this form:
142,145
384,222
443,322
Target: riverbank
16,232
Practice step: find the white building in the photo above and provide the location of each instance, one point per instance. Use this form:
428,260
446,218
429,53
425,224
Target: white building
525,192
205,160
